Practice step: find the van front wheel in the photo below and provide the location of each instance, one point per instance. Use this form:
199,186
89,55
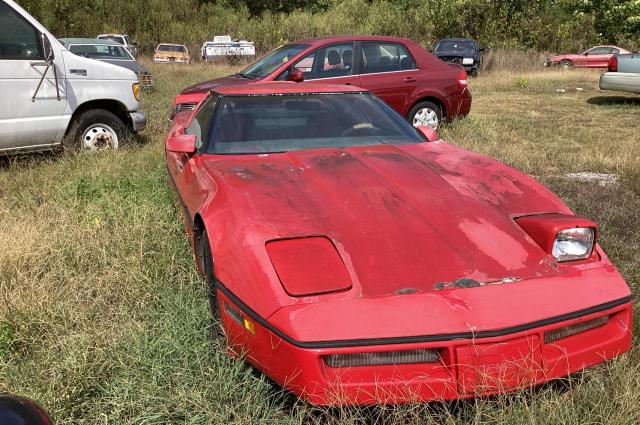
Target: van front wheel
94,131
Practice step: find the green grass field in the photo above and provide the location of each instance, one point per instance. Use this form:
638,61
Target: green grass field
104,320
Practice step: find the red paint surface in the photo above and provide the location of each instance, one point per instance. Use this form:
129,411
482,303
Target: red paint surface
401,219
433,79
588,61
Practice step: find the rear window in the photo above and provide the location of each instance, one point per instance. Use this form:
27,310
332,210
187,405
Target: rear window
168,48
113,38
282,123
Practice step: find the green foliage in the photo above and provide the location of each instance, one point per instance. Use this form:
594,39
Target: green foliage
556,25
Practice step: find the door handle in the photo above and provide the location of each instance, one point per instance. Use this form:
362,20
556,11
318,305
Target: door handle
409,80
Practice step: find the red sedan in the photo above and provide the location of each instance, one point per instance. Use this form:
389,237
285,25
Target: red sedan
411,80
595,57
356,260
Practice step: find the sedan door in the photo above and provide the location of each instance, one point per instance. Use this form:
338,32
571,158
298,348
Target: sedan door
331,64
389,71
27,119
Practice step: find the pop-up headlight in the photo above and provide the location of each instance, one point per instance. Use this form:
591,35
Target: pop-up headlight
565,237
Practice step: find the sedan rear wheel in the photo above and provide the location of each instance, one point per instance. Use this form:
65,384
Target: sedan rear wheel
425,113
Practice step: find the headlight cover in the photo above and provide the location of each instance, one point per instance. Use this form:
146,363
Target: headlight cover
573,244
467,61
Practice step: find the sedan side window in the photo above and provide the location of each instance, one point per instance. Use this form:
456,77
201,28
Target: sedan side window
385,57
18,38
201,121
599,51
331,61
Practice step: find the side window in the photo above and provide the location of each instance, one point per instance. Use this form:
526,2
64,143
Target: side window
18,38
385,57
615,51
331,61
201,121
599,51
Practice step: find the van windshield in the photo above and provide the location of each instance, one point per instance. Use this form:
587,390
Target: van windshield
272,61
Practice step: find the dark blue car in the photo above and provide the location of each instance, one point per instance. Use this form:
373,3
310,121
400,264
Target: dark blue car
463,51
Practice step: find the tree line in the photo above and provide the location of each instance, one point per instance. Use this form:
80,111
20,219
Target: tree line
543,25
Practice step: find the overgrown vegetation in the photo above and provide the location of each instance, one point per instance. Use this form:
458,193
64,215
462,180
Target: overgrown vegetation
104,320
543,25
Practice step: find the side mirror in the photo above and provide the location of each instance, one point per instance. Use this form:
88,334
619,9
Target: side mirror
296,76
430,133
185,143
49,56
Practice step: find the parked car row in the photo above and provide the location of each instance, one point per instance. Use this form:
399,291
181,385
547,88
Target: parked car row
351,255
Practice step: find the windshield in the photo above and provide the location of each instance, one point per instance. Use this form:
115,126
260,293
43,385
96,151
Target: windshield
100,51
448,45
169,48
272,61
117,39
282,123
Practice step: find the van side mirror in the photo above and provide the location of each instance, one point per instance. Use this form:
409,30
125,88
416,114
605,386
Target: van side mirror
49,56
430,133
185,143
296,76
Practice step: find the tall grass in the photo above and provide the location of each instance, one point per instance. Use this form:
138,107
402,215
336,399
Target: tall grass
104,320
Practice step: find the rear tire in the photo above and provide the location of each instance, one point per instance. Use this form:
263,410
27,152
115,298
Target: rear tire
425,113
95,130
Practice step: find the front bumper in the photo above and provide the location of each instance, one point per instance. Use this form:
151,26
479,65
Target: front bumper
138,121
620,81
468,367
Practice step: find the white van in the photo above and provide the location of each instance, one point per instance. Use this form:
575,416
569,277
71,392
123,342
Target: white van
51,98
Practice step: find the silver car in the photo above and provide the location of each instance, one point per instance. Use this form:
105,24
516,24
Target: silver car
623,74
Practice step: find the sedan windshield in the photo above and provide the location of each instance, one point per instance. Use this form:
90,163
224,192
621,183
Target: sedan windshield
100,51
448,45
282,123
272,61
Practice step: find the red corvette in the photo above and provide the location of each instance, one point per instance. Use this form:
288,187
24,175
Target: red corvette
411,80
595,57
356,260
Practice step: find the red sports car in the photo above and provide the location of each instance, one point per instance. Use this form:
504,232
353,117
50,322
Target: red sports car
595,57
413,81
355,259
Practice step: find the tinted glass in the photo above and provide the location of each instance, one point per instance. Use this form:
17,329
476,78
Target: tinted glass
97,51
449,45
385,57
328,62
18,39
169,48
201,121
600,51
282,123
272,61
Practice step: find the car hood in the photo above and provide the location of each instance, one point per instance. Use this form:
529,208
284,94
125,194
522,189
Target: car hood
132,65
402,217
207,86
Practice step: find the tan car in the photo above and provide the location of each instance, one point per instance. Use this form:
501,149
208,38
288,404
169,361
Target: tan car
171,53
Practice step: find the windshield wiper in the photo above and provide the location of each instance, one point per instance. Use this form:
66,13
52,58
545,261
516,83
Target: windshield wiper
241,75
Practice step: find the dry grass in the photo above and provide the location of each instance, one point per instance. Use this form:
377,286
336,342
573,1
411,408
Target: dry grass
104,320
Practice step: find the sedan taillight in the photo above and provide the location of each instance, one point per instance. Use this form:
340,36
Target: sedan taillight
612,66
463,82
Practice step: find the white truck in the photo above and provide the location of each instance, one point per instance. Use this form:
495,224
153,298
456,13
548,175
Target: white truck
223,47
51,98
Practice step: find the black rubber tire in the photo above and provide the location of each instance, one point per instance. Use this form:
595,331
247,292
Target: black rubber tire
425,104
566,64
73,140
204,255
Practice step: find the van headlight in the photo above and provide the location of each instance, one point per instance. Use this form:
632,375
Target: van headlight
136,91
573,244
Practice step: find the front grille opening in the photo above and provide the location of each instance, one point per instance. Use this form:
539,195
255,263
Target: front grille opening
567,331
383,358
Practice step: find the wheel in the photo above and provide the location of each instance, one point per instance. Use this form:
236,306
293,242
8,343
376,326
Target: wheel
425,113
565,64
95,130
205,261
